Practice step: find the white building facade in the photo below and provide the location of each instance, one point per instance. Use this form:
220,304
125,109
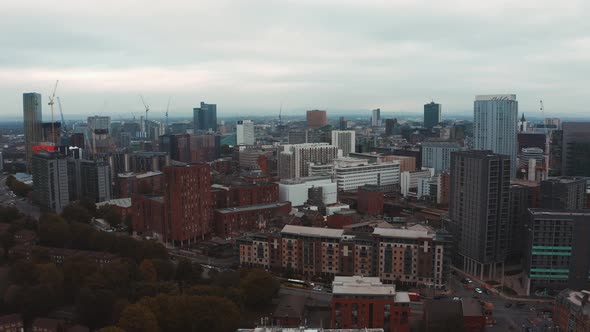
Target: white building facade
245,132
352,173
495,125
344,140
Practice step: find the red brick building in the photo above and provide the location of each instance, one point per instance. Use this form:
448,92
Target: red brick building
128,184
187,203
361,302
244,195
342,218
148,216
571,311
234,221
203,148
370,200
11,323
316,119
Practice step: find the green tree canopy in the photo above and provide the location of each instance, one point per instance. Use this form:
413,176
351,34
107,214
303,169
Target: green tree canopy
138,318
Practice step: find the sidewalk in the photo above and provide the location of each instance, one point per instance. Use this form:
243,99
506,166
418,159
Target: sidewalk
497,292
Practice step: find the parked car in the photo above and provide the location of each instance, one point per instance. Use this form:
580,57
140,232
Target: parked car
478,290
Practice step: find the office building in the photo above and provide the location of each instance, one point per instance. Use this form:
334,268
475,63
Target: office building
563,193
32,105
344,140
141,162
376,118
205,117
571,311
443,188
245,132
432,115
575,159
342,123
532,140
390,126
361,302
316,119
187,203
95,181
528,154
437,155
479,210
523,196
296,190
50,180
295,159
352,173
495,126
557,250
409,180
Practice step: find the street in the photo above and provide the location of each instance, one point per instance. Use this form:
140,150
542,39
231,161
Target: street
8,198
524,317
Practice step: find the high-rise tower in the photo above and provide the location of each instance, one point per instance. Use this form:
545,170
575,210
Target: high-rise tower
495,125
33,124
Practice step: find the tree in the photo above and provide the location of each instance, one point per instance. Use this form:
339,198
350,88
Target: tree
23,273
81,234
51,276
138,318
76,270
110,214
89,205
76,213
148,271
258,287
165,269
211,313
53,231
95,306
111,329
187,273
9,214
7,242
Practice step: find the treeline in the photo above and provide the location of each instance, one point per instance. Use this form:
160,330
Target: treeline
19,188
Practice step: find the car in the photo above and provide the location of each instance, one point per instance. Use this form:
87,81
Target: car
508,305
456,298
520,304
318,288
478,290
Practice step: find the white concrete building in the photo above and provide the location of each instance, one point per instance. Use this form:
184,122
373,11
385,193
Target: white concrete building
245,132
296,190
352,173
495,126
437,155
409,180
344,140
294,159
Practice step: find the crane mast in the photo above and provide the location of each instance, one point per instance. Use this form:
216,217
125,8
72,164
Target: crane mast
51,102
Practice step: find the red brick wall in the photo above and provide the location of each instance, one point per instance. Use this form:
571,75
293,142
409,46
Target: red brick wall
187,198
399,316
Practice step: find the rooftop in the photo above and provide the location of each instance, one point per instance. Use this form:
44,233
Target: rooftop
561,213
120,202
148,174
402,233
252,207
358,285
312,231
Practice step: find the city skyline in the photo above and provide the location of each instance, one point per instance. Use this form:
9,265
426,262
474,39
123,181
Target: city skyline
302,55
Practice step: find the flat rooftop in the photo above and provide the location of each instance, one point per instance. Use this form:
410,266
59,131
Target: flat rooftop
402,233
252,207
357,285
312,231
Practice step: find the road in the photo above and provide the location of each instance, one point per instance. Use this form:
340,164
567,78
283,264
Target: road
515,318
8,198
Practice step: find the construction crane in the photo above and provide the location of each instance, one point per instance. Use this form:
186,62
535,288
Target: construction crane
167,109
51,102
147,108
64,129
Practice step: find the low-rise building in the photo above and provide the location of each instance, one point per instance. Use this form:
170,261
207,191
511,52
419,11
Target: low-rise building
571,311
11,323
352,173
414,256
234,221
365,302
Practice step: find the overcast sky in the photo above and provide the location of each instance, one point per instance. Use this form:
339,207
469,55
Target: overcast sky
249,56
